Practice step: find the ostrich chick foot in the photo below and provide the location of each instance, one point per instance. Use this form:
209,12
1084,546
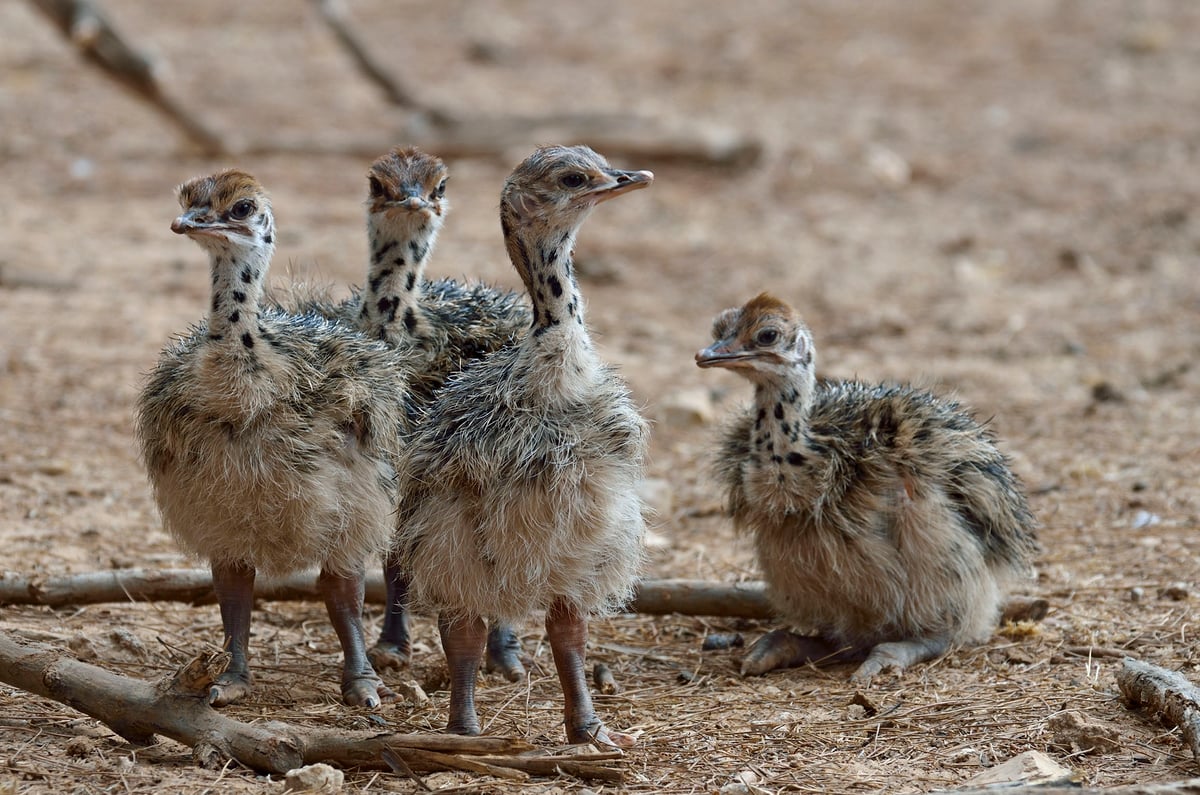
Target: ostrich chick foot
229,687
780,648
897,656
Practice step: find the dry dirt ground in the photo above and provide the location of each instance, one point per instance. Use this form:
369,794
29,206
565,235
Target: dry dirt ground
994,199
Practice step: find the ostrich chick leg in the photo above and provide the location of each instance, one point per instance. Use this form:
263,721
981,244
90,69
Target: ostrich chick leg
234,586
504,653
394,647
462,640
780,648
898,655
361,686
567,630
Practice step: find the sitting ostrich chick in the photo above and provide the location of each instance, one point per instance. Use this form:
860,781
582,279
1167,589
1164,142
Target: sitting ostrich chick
884,517
270,439
522,479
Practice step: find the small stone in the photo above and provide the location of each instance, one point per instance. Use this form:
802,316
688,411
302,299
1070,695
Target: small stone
1020,656
744,782
80,747
1077,733
124,639
1032,768
1137,593
413,692
1145,519
82,169
1176,592
966,755
715,641
319,778
1104,392
888,167
603,679
869,708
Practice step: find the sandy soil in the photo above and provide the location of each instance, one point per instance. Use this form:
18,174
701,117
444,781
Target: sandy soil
993,199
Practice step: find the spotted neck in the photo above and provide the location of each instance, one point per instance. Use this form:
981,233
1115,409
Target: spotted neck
781,418
237,285
558,337
391,308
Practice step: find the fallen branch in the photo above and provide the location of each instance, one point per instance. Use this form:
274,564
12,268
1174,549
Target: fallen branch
85,26
702,598
1167,693
689,597
636,138
177,707
652,597
648,140
335,15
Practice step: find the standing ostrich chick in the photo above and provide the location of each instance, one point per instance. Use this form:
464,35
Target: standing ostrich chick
523,476
270,438
884,518
440,326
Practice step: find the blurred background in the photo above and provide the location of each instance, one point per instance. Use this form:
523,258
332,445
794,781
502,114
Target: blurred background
993,199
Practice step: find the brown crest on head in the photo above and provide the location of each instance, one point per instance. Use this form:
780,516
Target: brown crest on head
558,182
764,304
220,191
407,177
228,203
766,334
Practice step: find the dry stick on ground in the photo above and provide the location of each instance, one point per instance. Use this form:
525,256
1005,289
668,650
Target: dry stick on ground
656,597
436,129
82,22
688,597
1165,692
620,135
177,707
337,17
102,46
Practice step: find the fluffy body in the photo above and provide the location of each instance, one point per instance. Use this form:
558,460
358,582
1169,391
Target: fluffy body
520,485
900,520
279,456
441,326
515,498
881,514
270,438
521,480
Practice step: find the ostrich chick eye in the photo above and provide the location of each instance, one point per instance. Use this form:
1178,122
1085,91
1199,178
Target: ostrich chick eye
574,180
242,210
440,190
767,336
376,186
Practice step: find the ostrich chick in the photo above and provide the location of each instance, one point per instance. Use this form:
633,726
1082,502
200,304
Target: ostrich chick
270,439
523,476
440,326
884,517
443,324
